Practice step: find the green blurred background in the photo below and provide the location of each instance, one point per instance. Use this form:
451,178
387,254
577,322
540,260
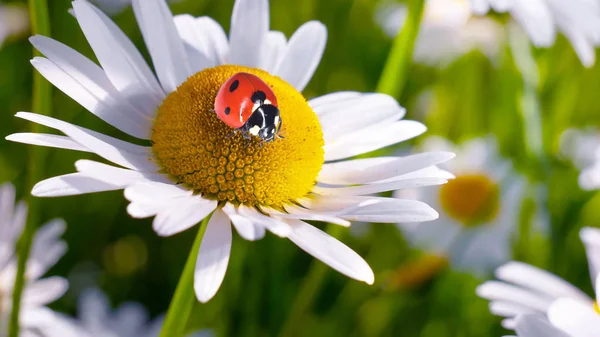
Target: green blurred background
474,97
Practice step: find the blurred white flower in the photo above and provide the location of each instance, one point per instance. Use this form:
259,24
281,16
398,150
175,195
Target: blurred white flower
190,166
14,20
447,30
578,20
479,208
582,147
526,289
114,7
95,318
46,250
535,325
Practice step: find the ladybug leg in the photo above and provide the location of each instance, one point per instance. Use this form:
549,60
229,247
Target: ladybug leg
246,135
232,134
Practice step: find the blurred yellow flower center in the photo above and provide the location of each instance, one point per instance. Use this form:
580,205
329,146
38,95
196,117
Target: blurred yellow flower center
470,199
596,308
417,272
196,149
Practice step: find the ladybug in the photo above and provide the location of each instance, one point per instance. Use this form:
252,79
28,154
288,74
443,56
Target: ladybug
247,104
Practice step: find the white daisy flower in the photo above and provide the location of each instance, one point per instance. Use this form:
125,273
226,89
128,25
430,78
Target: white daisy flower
193,167
479,208
526,289
46,250
578,20
447,30
97,319
582,147
14,20
534,325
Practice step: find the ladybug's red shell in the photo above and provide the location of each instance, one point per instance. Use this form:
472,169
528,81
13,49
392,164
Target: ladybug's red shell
237,98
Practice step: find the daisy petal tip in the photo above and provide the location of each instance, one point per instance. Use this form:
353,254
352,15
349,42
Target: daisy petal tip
482,290
507,268
202,294
590,235
162,231
38,190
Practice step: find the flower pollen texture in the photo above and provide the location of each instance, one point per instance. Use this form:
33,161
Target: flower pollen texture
471,199
197,149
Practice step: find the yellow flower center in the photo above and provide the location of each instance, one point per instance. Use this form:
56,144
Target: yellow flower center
596,308
470,199
196,148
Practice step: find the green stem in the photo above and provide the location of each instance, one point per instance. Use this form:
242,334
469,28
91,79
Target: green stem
393,77
42,104
183,299
308,290
529,101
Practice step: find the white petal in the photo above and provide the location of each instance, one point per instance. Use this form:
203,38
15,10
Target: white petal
508,309
363,171
150,198
213,257
358,113
495,290
275,45
206,37
49,140
574,317
8,232
480,7
71,184
378,187
163,42
392,211
372,138
583,47
125,154
531,325
597,287
130,318
123,63
325,103
191,36
591,239
537,20
303,54
275,226
44,291
182,215
93,309
372,209
331,251
116,175
87,83
539,280
244,226
295,212
589,178
47,248
249,28
149,192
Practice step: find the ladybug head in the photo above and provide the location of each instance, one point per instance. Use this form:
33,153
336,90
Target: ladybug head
264,123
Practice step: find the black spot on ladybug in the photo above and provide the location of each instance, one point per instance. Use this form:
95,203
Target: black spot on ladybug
258,96
227,110
234,86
